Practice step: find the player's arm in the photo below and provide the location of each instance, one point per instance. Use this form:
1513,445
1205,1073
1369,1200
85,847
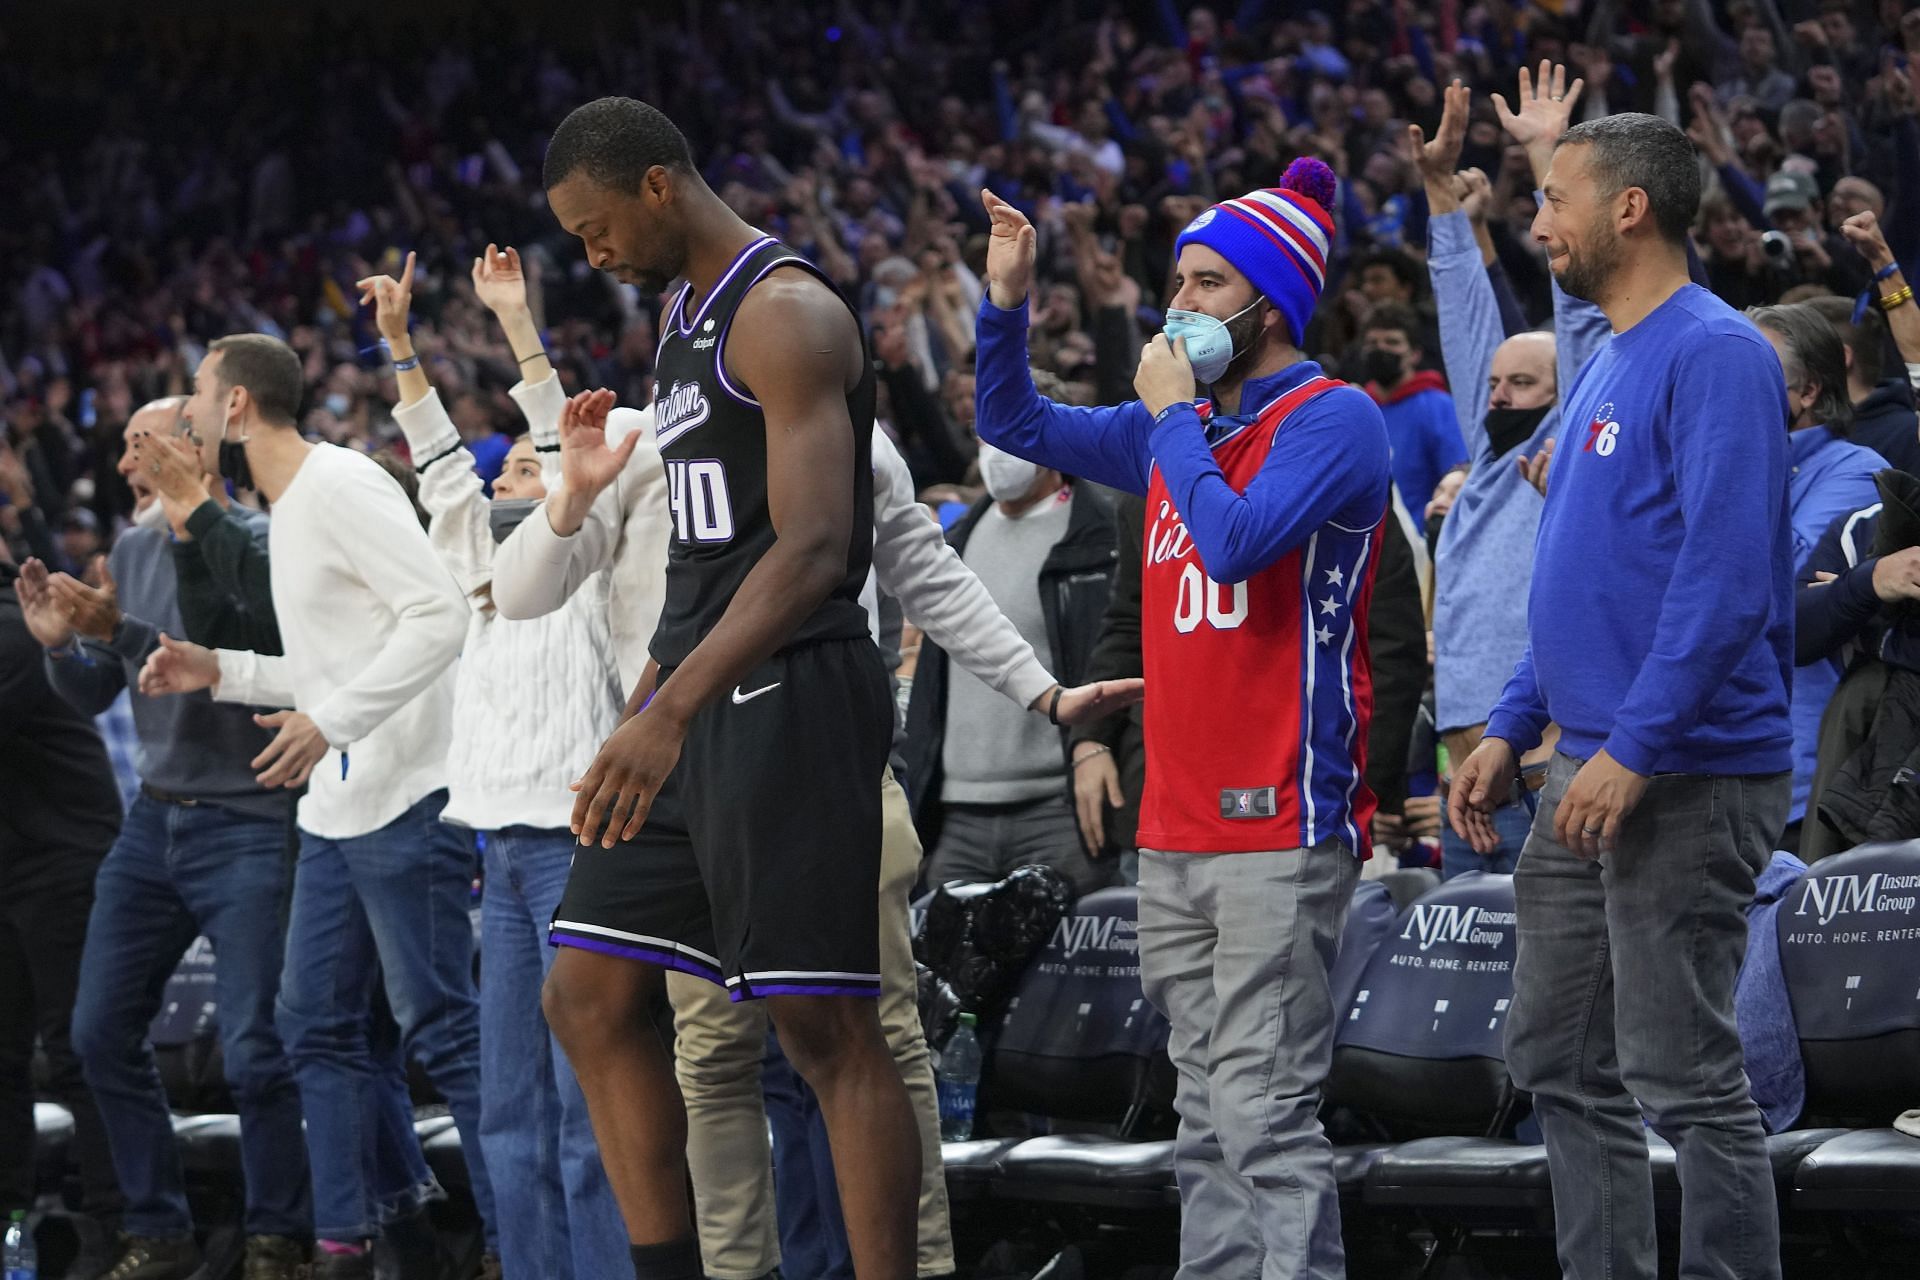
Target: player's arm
799,370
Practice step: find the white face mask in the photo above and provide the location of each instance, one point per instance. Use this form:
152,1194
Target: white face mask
151,516
1008,478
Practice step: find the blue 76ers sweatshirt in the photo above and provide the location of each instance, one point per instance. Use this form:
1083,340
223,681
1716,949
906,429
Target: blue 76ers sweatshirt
1660,623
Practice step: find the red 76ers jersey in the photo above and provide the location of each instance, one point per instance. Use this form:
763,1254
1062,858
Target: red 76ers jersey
1259,692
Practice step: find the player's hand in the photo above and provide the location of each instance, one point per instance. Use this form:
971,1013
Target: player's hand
290,757
46,618
1165,376
1096,785
621,783
93,611
587,464
1544,108
1534,469
391,300
1480,783
1092,701
1598,800
499,282
1010,253
179,666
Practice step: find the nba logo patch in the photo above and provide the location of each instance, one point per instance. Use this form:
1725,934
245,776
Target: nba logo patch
1247,802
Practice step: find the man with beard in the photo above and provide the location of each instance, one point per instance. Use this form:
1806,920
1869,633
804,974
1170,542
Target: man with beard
1266,508
1660,641
1506,394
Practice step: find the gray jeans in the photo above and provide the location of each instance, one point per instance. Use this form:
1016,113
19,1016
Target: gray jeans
1234,949
1623,1004
980,843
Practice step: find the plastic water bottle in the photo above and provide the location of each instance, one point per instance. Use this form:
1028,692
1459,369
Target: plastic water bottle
22,1259
958,1080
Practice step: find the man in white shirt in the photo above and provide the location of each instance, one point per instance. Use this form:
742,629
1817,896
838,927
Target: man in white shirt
371,622
610,512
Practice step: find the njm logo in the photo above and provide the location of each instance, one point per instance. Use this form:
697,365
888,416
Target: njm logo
1832,896
1440,922
1075,934
1839,895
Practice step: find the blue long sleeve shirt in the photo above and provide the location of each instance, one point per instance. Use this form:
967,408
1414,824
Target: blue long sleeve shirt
1330,465
1660,619
1485,557
1830,478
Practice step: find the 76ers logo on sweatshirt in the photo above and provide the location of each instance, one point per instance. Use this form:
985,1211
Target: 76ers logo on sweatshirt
1603,433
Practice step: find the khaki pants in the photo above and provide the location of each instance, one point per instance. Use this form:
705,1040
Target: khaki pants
717,1058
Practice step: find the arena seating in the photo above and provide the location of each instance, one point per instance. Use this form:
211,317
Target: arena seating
1419,1103
1849,937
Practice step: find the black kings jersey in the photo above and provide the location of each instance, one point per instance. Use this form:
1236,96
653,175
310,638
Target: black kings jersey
713,439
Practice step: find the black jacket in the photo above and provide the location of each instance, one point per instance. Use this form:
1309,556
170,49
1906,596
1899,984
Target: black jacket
58,797
1116,656
1397,643
1885,422
1075,582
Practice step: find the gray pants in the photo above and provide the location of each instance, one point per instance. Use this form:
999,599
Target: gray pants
1234,949
980,843
1623,1003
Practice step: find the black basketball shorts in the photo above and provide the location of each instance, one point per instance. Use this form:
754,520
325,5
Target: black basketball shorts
759,863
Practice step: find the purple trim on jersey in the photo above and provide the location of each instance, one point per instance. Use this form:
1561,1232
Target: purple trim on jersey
720,347
759,991
626,951
669,322
685,328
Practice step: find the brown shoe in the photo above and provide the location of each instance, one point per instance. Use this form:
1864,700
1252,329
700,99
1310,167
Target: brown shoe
149,1258
274,1258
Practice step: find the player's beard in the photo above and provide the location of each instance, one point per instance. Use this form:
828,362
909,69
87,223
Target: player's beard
1590,270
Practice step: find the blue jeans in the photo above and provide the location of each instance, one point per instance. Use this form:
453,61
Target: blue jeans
1623,1006
806,1196
178,871
389,907
1512,821
534,1130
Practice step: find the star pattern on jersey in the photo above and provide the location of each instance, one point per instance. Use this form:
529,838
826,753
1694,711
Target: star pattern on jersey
1323,635
1330,607
1336,578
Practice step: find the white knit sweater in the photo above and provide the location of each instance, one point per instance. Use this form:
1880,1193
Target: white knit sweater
625,534
532,700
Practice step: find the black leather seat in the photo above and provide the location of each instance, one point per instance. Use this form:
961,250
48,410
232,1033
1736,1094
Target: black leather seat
1079,1043
1866,1171
1090,1169
1453,1174
1849,938
1785,1151
209,1146
972,1165
52,1140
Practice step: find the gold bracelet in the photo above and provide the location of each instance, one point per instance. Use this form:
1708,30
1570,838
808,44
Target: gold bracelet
1098,750
1899,297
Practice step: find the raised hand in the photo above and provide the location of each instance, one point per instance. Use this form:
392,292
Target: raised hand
46,617
392,300
1010,253
587,464
1534,469
1863,232
1474,190
179,666
498,280
1437,159
1544,108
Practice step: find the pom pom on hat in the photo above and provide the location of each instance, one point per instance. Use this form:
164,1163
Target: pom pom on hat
1277,238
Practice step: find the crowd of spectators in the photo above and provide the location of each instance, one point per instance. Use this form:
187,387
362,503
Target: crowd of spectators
180,174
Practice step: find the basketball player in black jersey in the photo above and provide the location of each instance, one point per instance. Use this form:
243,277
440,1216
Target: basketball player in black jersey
730,827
